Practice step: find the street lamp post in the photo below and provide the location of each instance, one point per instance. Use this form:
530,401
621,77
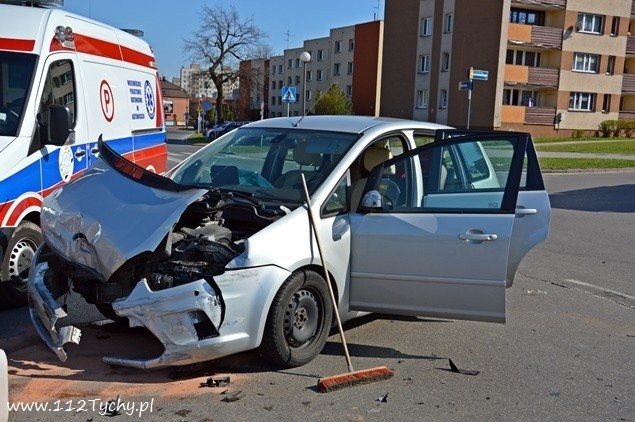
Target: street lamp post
305,57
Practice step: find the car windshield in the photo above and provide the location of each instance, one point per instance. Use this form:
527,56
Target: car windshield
16,71
266,163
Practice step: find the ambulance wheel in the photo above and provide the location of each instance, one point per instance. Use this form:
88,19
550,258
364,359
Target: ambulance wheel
15,266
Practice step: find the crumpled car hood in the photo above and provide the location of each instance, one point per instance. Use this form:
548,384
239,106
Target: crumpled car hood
106,217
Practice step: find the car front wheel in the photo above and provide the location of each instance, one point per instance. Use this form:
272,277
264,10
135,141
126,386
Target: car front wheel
299,321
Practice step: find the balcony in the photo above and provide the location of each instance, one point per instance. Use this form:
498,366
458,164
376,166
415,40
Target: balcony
543,77
630,45
531,76
534,36
626,115
628,84
543,4
539,115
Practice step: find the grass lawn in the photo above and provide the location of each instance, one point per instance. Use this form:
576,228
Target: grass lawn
624,146
583,163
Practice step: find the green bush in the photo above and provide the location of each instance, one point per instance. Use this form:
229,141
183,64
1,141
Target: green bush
628,127
577,133
616,128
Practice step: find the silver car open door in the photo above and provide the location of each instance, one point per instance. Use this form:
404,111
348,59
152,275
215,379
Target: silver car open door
433,232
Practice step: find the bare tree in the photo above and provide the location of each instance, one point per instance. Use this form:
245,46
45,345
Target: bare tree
221,42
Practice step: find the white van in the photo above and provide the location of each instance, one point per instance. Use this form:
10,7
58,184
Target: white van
65,82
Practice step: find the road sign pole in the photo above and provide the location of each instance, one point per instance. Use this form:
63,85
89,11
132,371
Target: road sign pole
469,104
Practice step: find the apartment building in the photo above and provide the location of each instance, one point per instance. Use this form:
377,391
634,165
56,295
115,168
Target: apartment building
350,56
194,81
553,66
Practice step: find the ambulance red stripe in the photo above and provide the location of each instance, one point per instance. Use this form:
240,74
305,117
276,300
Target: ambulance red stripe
97,47
16,44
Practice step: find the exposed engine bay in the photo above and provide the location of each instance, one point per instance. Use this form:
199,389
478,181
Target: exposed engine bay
209,234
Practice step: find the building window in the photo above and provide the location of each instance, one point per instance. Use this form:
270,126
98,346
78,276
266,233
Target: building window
606,104
273,84
586,62
523,58
444,99
424,63
69,98
615,26
526,17
445,62
320,55
297,79
448,22
290,63
426,26
581,101
297,62
422,98
349,90
610,65
338,46
336,69
349,68
273,100
67,77
351,44
273,70
279,99
590,23
280,69
289,80
308,95
517,97
320,74
309,75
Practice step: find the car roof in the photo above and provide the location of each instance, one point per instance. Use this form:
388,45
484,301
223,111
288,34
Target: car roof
346,123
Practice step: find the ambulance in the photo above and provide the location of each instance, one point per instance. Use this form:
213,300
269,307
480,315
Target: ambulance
66,81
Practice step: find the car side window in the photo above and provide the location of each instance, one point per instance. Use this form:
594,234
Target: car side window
457,176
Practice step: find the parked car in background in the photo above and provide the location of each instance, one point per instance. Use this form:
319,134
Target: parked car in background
227,262
219,130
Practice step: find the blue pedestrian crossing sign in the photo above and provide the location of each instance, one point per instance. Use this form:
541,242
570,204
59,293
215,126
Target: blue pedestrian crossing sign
288,94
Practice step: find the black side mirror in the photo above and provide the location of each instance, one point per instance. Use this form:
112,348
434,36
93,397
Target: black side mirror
60,124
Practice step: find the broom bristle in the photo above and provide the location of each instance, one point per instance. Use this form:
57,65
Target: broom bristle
365,376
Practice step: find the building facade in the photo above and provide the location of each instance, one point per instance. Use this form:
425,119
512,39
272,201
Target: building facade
176,106
350,57
551,66
194,81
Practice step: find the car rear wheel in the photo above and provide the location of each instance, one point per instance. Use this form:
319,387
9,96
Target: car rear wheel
15,265
299,321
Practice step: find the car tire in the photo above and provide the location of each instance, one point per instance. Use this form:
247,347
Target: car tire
299,321
107,311
15,266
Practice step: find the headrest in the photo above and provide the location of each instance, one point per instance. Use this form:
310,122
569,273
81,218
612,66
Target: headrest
304,158
376,155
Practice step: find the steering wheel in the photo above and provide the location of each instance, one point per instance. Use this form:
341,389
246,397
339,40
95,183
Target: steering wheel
10,123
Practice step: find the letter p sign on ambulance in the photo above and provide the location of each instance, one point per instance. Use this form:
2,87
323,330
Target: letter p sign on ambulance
107,101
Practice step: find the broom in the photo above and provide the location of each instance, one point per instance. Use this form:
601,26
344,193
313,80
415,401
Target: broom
352,377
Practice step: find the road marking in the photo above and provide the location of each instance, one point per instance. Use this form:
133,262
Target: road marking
603,289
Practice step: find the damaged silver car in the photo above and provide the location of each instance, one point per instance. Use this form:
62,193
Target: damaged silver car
218,257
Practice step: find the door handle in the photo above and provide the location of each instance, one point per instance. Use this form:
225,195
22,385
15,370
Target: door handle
79,153
526,211
94,151
479,237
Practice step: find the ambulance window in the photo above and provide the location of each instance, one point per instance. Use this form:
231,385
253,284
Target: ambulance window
59,88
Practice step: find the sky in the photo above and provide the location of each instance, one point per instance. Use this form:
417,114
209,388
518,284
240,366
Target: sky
165,27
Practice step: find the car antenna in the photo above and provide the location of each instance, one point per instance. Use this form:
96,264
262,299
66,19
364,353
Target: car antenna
313,106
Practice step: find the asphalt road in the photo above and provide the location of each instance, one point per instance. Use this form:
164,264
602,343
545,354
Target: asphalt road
565,353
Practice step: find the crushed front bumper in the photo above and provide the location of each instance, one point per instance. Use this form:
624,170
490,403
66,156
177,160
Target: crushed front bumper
46,312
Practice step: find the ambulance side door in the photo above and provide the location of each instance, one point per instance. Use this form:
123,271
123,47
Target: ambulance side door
59,86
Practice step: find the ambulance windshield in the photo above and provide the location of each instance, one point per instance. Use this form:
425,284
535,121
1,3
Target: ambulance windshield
16,73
